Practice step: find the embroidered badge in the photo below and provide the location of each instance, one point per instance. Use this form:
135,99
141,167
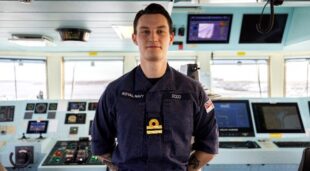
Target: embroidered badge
132,95
154,127
209,106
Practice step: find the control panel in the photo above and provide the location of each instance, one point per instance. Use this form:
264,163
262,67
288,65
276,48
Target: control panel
30,128
71,153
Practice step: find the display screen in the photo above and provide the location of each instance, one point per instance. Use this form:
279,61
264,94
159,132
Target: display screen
40,108
37,127
30,106
80,106
92,106
208,28
233,117
7,113
75,118
249,33
52,106
277,118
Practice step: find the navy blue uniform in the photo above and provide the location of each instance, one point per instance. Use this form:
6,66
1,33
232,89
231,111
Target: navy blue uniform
153,124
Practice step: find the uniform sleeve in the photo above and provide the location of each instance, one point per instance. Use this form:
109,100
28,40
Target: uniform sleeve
103,128
205,126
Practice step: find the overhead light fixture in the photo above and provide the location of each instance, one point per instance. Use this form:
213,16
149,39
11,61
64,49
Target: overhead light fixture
31,40
123,32
74,34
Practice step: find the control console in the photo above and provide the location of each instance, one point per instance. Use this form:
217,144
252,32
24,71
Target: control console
71,153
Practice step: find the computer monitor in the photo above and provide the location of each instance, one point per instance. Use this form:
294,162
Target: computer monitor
277,118
233,118
37,127
249,33
208,28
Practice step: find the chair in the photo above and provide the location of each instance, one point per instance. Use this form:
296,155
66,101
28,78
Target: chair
305,160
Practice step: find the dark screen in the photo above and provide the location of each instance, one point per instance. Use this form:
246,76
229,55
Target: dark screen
208,28
249,33
7,113
233,117
277,118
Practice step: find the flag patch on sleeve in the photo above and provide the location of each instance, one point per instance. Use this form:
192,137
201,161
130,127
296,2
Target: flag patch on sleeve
209,106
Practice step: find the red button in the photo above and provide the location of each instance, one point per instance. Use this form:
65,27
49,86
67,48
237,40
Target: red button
57,153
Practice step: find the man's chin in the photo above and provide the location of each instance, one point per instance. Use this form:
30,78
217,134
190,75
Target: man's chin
153,58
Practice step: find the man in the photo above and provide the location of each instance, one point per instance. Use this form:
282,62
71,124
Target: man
153,111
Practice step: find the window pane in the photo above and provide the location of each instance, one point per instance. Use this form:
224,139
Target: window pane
297,78
31,79
240,78
176,63
7,83
30,76
88,79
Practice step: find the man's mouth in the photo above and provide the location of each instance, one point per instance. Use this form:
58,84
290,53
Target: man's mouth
153,47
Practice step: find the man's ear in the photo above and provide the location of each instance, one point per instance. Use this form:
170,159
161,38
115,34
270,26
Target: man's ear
171,38
134,38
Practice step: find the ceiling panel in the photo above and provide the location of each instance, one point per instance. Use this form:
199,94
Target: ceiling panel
44,17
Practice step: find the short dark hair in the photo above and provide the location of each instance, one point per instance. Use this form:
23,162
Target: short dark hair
153,9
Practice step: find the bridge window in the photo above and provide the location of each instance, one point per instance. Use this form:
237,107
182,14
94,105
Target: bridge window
239,78
297,77
22,78
87,79
177,62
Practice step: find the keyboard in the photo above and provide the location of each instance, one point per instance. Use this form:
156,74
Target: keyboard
239,144
292,144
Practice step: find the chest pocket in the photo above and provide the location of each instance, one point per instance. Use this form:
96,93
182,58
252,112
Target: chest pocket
130,126
178,120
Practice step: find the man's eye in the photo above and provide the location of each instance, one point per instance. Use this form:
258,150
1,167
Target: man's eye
145,31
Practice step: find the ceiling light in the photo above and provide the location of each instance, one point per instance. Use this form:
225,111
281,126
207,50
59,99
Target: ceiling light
74,34
31,40
123,32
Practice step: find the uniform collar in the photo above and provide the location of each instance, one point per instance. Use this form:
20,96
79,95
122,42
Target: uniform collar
165,83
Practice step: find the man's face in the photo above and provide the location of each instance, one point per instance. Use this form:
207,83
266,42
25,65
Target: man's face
153,37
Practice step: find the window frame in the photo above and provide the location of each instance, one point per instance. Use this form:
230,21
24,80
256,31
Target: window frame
295,58
25,59
243,58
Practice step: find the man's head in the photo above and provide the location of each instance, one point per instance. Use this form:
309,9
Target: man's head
153,33
153,9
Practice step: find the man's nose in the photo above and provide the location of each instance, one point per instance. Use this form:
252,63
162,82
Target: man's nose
154,36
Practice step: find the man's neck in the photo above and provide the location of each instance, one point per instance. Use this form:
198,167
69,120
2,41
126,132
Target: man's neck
154,69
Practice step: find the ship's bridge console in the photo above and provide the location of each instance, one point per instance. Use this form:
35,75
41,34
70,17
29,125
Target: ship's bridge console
47,135
55,134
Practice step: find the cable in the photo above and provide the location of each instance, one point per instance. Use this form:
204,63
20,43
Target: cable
271,19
